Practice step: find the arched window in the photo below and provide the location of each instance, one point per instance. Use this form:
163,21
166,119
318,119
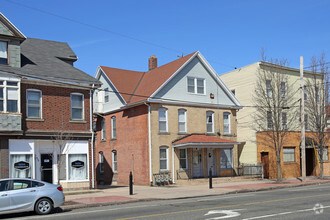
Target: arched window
101,162
114,161
113,127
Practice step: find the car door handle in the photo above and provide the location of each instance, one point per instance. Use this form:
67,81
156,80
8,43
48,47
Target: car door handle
33,190
4,195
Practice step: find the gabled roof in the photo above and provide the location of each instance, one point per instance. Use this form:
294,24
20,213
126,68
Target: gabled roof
202,139
14,30
47,60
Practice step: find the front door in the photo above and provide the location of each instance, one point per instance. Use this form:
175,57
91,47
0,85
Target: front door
47,168
211,161
197,163
265,162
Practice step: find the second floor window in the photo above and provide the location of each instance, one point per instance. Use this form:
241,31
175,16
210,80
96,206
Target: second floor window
77,106
162,119
9,96
101,162
209,122
3,53
283,90
103,129
114,161
182,119
269,121
196,85
113,127
269,90
226,123
33,103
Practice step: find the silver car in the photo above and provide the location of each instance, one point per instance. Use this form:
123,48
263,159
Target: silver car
20,195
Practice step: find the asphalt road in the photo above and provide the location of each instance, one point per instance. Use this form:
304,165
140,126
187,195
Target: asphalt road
309,202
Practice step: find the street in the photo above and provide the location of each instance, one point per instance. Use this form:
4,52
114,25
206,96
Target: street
308,202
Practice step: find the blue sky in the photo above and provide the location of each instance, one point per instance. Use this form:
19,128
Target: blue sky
229,33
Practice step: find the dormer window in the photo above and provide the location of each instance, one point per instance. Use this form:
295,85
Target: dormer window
3,53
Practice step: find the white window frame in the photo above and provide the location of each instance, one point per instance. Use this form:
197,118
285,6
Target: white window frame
4,86
83,106
184,111
163,121
269,90
288,152
222,151
27,102
5,52
196,85
101,162
113,127
183,158
114,162
162,159
210,113
228,124
103,130
106,95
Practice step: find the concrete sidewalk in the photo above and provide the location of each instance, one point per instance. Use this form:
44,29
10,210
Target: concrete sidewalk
120,194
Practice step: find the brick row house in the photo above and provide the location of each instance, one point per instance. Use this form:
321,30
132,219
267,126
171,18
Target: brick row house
176,121
45,111
253,149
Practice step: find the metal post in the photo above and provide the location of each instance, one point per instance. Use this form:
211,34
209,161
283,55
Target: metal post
130,183
302,116
210,179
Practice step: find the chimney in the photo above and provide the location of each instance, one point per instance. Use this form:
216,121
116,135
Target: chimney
152,62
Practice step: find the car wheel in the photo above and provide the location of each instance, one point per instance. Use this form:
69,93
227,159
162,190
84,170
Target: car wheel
43,206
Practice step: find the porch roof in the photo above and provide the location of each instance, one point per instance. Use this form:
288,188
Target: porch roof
194,140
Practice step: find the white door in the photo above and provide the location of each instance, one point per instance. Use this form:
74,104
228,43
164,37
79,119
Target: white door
197,163
211,161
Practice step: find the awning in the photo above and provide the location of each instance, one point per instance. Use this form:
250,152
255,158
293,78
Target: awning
203,141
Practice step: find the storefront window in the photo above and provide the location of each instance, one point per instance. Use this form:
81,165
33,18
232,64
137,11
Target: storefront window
77,166
21,166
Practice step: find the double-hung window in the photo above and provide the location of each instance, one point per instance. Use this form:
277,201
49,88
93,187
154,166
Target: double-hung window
226,123
9,96
101,162
288,154
3,53
103,129
77,106
196,85
163,158
33,103
162,120
283,90
113,127
226,158
210,122
269,90
183,159
182,120
114,161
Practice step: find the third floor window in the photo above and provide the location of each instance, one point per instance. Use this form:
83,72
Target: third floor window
9,96
196,85
3,53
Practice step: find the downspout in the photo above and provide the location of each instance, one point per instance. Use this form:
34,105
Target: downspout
173,177
149,140
91,92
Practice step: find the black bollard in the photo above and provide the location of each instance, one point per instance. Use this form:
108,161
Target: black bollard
130,183
210,179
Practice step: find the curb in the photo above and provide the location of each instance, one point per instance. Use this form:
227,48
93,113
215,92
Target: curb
81,205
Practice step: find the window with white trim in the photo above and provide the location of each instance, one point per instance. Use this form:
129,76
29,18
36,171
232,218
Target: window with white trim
210,122
9,96
103,129
226,158
101,162
77,106
162,120
196,85
114,161
113,127
269,90
182,120
226,123
3,53
183,159
33,98
77,172
163,158
288,154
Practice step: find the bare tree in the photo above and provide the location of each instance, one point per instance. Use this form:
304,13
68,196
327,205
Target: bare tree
317,92
275,101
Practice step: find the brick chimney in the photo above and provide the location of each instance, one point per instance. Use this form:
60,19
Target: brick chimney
152,62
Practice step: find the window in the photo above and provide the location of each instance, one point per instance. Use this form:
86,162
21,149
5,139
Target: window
284,121
106,95
101,162
226,123
226,158
325,154
269,90
33,103
269,121
114,161
196,85
163,158
77,106
113,128
3,53
209,122
317,95
182,119
77,172
288,154
103,129
162,119
9,96
306,122
183,159
21,165
283,90
305,93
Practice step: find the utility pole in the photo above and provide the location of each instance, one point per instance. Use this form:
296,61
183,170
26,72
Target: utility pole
302,116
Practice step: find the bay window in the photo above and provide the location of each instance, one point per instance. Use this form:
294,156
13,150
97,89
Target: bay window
9,96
